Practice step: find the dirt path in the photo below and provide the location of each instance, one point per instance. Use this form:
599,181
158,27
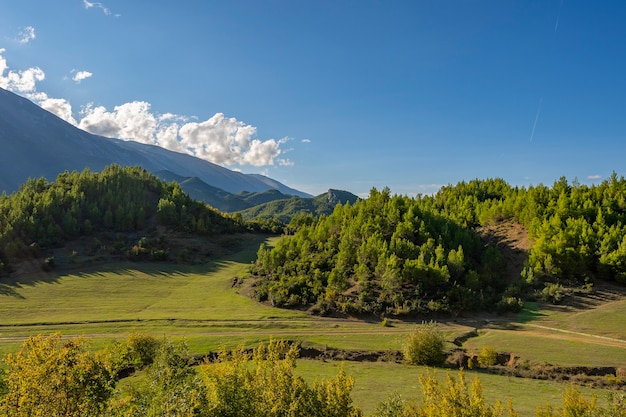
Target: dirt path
572,335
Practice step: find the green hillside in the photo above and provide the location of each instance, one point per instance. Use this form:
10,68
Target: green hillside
284,210
432,254
125,212
218,198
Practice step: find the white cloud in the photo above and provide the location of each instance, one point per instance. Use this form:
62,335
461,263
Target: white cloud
26,35
81,75
594,177
19,81
219,139
98,5
227,141
58,106
128,121
285,162
306,140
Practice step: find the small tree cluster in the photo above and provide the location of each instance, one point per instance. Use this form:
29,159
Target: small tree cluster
425,345
53,377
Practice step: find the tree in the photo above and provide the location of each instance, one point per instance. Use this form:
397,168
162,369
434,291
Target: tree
52,377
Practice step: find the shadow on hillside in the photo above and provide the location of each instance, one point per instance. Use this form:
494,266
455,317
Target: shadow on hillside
10,291
32,272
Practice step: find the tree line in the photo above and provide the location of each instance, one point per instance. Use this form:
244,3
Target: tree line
400,255
117,200
578,231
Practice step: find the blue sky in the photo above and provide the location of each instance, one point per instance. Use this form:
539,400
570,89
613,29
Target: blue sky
348,94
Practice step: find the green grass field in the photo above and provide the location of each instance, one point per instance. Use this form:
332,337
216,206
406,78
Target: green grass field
200,305
374,382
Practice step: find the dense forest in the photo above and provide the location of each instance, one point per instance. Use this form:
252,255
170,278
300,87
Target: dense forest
111,205
401,255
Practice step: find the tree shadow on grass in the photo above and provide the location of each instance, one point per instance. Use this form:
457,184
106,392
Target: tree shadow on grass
10,291
32,272
530,312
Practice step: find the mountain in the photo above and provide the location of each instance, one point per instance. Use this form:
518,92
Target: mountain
36,143
218,198
285,209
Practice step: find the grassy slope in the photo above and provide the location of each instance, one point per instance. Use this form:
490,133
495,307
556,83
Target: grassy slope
200,305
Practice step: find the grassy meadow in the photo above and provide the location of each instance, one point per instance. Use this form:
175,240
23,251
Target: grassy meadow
200,304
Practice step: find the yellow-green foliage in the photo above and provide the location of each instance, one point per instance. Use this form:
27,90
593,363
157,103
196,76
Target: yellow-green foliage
452,398
264,385
575,405
488,356
171,388
137,351
455,399
51,377
424,345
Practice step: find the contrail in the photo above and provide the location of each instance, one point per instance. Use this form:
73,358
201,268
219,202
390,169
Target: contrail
558,17
536,118
556,25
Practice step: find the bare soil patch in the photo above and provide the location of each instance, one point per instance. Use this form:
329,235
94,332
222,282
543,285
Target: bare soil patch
512,240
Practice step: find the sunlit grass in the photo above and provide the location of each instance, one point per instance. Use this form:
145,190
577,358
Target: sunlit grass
375,381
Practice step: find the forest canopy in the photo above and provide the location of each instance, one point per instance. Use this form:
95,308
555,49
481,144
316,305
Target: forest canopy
118,200
399,255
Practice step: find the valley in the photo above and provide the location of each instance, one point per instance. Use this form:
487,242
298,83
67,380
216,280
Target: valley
200,305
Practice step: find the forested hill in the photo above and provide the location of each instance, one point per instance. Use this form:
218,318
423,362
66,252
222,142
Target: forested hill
116,202
284,210
400,255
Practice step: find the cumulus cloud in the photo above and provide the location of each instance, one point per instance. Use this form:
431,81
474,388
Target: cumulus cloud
81,75
127,121
306,140
228,141
26,35
219,139
19,81
594,177
58,106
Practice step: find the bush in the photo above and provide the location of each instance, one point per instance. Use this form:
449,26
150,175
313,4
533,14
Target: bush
135,353
509,305
52,377
488,356
425,345
553,293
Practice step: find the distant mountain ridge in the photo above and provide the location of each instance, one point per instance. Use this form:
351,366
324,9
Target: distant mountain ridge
285,209
218,198
36,143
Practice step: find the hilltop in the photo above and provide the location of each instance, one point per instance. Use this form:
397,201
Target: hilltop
117,214
285,209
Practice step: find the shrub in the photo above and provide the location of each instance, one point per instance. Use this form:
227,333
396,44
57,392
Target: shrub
509,304
553,293
171,387
265,385
52,377
488,356
425,345
136,352
574,404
